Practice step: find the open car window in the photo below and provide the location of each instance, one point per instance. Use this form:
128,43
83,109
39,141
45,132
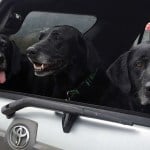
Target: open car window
28,35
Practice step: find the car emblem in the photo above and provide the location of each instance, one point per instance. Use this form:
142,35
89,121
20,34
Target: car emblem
19,137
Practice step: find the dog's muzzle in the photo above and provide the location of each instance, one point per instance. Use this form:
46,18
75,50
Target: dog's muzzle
144,94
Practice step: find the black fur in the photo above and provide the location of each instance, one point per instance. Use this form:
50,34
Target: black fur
14,67
130,78
66,57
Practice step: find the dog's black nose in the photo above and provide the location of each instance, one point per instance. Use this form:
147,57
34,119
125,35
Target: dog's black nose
2,58
31,51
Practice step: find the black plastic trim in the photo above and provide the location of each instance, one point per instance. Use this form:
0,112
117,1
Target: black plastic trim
98,112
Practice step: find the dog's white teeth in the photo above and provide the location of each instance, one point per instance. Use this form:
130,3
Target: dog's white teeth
42,67
34,66
37,67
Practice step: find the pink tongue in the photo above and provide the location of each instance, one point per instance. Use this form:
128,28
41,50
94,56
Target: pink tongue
2,77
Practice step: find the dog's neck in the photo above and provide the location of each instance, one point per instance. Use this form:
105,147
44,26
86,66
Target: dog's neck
68,79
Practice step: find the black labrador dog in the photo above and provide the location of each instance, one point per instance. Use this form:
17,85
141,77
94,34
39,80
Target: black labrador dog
130,73
63,54
13,66
9,59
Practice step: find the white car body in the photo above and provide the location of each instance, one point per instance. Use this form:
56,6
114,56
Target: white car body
86,133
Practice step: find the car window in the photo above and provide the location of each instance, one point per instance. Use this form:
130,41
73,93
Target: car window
37,21
43,64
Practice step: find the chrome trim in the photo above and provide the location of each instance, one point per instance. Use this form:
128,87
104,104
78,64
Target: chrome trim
19,137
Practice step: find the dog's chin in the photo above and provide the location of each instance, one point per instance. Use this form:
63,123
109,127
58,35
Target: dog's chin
44,73
144,97
145,101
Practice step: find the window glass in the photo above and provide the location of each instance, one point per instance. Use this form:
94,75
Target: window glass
37,21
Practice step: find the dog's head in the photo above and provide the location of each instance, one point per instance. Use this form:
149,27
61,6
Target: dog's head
9,58
58,48
131,72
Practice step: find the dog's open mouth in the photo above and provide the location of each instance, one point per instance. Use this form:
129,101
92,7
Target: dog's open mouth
40,67
51,67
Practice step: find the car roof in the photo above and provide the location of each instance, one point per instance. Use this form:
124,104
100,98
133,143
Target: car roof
120,9
118,22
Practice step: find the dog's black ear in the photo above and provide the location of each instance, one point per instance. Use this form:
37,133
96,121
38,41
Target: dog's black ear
15,59
41,35
118,73
93,60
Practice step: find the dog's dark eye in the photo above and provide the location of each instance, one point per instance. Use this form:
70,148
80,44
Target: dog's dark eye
139,64
56,36
59,45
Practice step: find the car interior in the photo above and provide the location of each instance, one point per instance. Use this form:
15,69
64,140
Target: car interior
112,27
